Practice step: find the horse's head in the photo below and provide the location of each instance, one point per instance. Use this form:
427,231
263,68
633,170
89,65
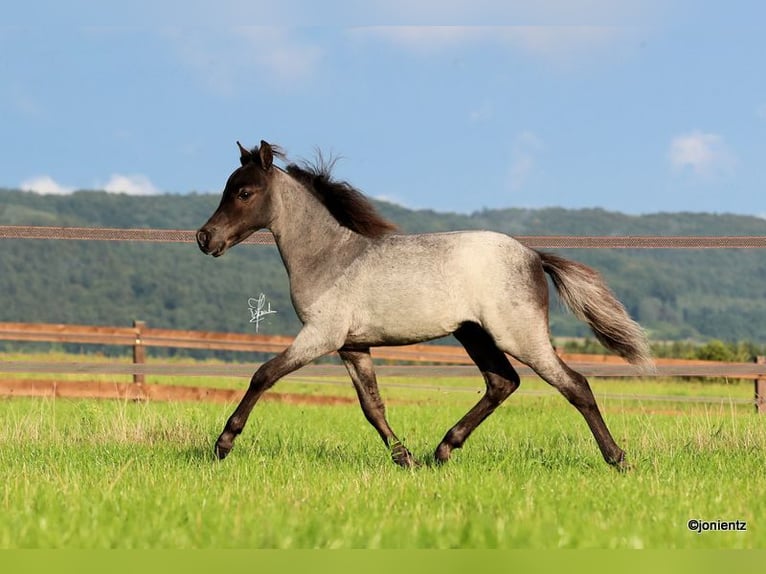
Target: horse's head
246,202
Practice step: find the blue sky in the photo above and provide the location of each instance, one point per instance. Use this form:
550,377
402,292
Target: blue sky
637,107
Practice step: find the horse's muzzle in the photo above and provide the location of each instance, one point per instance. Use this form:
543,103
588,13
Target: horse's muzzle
203,240
206,243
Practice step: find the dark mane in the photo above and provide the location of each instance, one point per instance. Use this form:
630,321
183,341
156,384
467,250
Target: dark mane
346,203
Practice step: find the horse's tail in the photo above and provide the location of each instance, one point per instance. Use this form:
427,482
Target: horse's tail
586,294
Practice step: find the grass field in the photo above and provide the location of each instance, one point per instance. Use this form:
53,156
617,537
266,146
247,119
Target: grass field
114,474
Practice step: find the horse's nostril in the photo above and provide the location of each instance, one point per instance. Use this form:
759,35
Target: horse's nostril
203,238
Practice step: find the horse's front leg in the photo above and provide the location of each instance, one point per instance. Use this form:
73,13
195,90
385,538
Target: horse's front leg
360,368
307,346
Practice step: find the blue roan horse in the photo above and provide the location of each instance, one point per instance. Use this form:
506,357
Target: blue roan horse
357,284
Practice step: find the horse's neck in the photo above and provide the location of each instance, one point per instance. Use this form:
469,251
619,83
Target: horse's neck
314,247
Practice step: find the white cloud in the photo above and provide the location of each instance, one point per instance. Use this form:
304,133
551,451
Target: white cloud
525,149
553,43
482,113
484,12
423,39
200,14
561,42
117,183
130,184
27,105
226,60
276,51
45,184
392,199
705,154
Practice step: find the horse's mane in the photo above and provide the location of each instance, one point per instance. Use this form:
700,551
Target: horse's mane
346,203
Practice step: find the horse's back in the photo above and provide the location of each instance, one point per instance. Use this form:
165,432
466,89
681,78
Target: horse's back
415,287
455,254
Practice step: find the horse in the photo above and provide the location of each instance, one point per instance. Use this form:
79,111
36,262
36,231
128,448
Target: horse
356,283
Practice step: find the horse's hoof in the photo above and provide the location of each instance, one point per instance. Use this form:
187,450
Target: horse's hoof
620,464
406,461
442,453
222,450
401,456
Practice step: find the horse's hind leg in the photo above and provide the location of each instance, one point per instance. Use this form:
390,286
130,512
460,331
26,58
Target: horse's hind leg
577,391
500,377
360,368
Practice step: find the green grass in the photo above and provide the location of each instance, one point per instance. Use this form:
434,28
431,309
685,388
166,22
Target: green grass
113,474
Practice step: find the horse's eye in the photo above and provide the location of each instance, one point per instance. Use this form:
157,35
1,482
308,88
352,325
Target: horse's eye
243,193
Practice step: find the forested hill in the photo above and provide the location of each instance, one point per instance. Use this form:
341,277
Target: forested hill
675,294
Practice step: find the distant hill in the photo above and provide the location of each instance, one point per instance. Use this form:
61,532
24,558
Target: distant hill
675,294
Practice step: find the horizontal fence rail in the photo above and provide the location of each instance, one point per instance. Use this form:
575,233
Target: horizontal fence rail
265,238
455,358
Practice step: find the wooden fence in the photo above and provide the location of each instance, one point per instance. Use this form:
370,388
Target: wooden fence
443,360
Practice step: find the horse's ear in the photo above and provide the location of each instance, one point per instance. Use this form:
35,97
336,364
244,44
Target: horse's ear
245,156
267,155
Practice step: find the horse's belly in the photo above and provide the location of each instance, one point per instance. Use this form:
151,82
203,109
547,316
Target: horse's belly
407,321
372,337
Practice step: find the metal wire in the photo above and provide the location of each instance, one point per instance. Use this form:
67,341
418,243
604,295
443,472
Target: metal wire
731,370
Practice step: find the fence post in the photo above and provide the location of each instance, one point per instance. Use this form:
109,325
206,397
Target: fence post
139,356
760,388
